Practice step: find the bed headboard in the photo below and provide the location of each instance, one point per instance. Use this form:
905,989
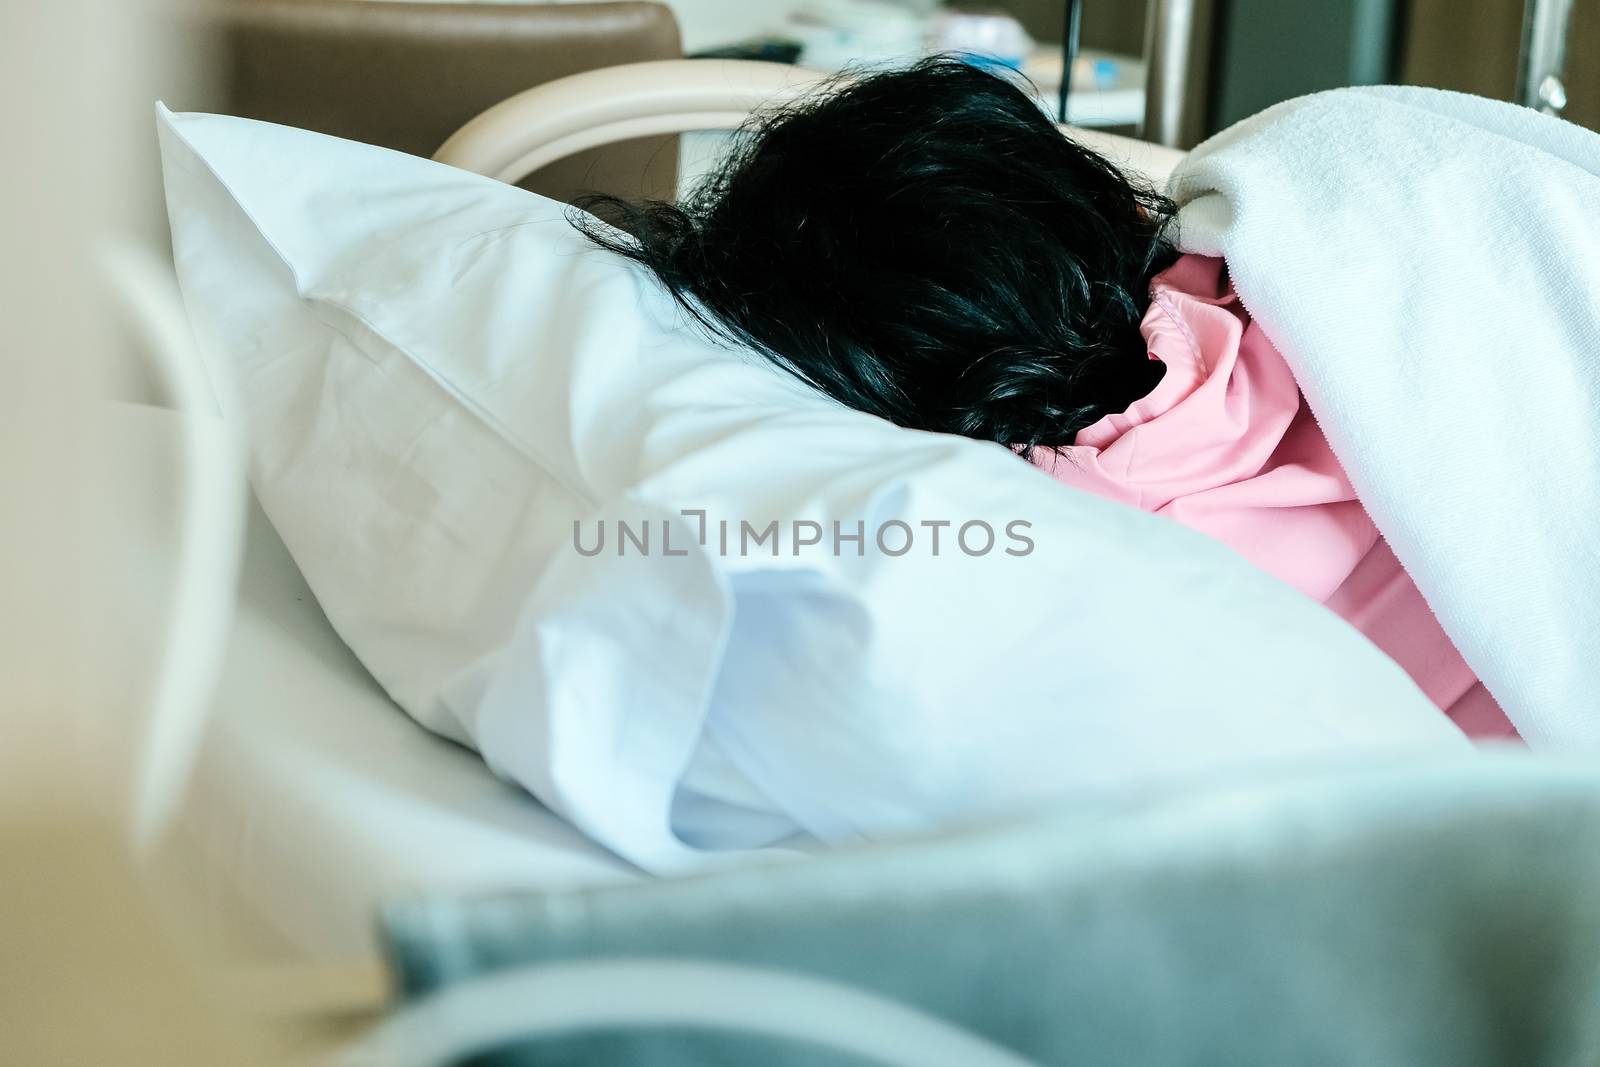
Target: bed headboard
404,75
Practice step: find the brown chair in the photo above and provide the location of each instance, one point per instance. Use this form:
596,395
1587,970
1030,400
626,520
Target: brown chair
406,75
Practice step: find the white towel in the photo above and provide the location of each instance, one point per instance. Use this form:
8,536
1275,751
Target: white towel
1429,265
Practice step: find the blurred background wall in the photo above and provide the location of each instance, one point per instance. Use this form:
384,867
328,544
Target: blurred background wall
1270,50
1263,51
1250,54
1472,48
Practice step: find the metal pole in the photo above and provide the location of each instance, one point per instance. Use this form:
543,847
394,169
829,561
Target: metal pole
1171,28
1544,55
1071,30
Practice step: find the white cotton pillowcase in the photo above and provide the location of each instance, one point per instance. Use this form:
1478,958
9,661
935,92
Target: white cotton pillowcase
441,378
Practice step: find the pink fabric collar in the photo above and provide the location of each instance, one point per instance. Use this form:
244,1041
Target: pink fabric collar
1224,443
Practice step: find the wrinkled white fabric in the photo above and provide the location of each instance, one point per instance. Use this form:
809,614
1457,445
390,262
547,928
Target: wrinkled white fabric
440,378
1428,264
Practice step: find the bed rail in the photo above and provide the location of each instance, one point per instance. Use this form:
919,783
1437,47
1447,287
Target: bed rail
541,125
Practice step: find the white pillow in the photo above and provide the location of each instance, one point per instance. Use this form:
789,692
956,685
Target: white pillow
441,378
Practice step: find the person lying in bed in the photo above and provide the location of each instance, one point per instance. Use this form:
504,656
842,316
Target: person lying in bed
924,245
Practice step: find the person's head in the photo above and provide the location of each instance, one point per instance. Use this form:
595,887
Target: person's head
923,245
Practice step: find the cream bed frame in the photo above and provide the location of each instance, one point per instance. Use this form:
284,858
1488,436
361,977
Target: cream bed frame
552,121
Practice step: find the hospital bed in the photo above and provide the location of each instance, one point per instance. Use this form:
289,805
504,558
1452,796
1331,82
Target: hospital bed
313,796
314,799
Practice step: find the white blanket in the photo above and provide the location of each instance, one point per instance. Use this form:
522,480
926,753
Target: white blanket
1429,265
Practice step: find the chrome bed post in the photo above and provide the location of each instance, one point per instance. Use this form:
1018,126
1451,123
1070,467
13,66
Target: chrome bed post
1543,60
1177,40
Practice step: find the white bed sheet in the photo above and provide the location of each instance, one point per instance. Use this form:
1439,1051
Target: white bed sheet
313,796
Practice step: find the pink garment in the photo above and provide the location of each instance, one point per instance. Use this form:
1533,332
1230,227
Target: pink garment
1226,445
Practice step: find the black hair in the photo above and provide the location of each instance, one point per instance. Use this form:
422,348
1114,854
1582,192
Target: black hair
924,245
